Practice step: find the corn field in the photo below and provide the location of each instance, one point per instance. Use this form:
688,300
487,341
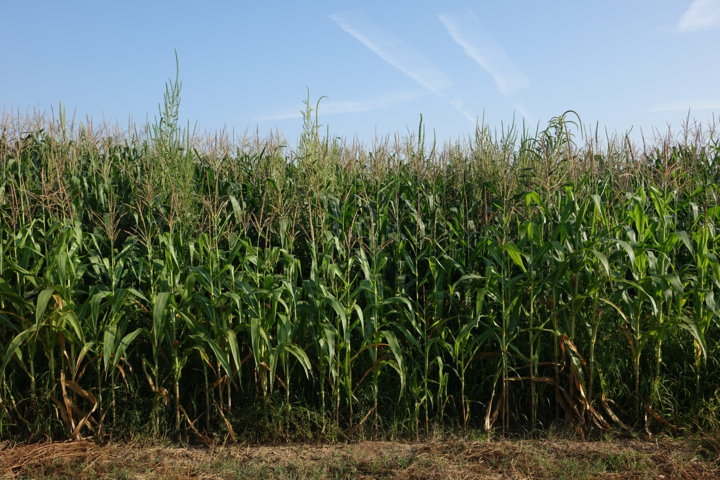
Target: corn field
156,282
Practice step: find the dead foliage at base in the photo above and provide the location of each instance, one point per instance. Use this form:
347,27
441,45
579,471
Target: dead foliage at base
697,458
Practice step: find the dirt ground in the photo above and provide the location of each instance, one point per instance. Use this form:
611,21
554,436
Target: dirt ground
693,458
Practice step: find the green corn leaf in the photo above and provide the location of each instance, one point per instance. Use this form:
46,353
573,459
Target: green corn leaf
124,344
515,255
159,312
42,303
397,353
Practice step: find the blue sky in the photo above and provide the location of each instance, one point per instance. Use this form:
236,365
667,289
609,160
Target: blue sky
380,64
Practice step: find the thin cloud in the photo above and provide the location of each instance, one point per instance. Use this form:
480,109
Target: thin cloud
393,51
400,55
700,15
685,106
350,106
460,107
525,113
467,32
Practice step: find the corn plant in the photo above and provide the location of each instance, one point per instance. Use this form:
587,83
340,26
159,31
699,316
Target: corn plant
253,290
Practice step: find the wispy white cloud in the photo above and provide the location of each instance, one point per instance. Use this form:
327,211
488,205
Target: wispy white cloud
681,106
401,56
460,107
468,32
351,106
700,15
398,54
525,113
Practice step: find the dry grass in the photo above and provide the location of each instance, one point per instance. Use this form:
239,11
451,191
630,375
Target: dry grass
520,459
